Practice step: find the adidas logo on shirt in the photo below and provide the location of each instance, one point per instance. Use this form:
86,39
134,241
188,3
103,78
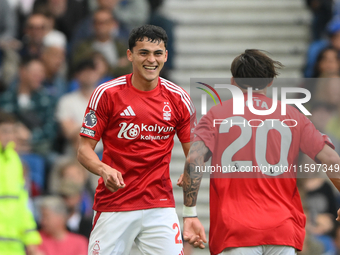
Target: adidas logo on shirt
128,112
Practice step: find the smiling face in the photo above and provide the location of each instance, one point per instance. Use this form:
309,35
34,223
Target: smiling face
147,59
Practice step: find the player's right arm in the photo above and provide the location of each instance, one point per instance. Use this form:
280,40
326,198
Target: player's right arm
319,147
193,230
88,158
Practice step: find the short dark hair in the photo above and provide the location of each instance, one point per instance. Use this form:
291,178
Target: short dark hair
6,118
253,64
153,33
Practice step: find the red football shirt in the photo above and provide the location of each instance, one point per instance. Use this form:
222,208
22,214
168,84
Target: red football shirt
137,129
256,211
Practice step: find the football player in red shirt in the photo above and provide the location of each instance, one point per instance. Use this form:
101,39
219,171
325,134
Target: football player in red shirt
260,213
137,116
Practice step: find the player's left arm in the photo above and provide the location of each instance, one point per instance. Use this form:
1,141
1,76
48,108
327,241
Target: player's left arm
193,231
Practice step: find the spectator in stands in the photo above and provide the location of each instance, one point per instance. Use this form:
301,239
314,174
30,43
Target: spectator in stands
320,199
333,30
322,14
70,108
319,224
35,30
53,56
130,13
17,225
70,180
31,105
73,194
324,224
102,67
64,169
39,33
327,63
158,19
56,238
85,28
53,36
311,246
7,25
103,42
22,9
68,168
67,13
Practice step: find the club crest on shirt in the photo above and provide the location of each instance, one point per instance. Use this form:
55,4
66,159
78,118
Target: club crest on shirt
96,249
166,111
90,119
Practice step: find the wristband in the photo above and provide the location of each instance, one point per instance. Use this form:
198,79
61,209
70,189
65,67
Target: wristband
189,212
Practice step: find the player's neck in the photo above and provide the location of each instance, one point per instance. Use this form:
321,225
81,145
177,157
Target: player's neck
142,84
245,90
262,91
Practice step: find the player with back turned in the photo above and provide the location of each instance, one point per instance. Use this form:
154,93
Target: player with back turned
248,215
137,116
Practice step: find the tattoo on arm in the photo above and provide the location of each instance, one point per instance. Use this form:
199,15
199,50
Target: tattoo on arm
192,178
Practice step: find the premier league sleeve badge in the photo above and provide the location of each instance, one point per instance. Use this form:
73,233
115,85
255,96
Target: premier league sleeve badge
90,119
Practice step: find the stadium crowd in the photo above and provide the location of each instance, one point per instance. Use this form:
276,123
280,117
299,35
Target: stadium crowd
54,53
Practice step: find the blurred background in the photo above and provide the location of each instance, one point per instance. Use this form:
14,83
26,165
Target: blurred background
54,53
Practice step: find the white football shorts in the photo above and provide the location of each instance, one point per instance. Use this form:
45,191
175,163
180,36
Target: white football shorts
260,250
155,231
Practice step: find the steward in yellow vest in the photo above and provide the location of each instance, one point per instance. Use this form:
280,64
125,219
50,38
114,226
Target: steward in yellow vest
17,225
